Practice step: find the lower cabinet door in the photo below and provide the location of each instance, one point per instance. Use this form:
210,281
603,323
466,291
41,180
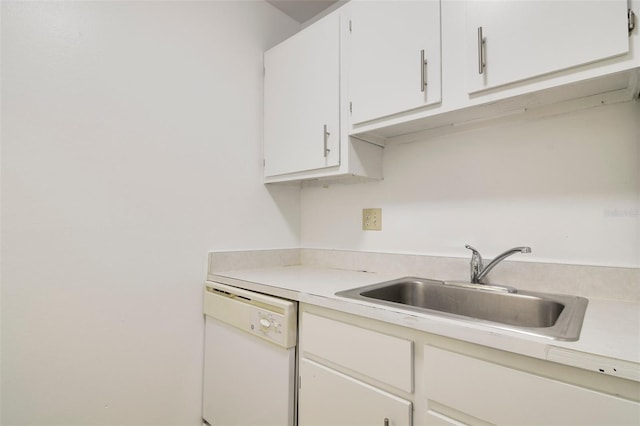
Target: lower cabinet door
466,390
327,397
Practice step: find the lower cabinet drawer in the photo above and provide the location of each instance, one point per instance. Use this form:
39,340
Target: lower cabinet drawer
385,358
468,390
329,398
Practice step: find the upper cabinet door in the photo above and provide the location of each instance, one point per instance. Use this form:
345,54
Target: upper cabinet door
302,100
394,52
517,40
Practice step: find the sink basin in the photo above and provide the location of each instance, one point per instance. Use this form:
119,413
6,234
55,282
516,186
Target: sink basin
553,316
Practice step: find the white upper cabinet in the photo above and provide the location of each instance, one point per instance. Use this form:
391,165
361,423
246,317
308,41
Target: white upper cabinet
394,57
302,99
511,41
373,71
535,53
306,109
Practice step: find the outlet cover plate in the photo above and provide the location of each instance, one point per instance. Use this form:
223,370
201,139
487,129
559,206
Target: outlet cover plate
372,219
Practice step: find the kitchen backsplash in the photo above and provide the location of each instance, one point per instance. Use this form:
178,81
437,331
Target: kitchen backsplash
566,185
252,259
588,281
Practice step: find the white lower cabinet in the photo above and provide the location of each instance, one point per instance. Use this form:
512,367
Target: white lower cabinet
328,397
465,390
359,371
351,375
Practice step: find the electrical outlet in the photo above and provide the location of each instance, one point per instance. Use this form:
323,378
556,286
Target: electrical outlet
372,219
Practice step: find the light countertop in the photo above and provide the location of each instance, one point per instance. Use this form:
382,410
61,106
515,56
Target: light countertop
609,341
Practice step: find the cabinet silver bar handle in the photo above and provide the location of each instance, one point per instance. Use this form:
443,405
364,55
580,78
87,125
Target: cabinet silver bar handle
386,421
326,141
423,72
480,51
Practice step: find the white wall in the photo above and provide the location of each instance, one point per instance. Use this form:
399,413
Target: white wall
568,186
0,218
131,146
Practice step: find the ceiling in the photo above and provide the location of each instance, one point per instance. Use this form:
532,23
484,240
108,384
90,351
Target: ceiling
302,10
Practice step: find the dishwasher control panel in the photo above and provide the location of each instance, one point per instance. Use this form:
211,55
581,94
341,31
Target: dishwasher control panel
268,317
268,324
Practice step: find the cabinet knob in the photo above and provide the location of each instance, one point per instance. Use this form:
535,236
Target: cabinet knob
386,421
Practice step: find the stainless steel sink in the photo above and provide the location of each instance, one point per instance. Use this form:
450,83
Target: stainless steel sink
553,316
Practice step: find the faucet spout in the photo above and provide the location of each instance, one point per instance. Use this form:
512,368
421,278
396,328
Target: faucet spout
479,272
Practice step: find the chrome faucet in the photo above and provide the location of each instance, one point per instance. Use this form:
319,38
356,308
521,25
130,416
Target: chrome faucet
478,271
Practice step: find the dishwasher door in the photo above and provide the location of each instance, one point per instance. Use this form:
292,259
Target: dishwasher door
250,358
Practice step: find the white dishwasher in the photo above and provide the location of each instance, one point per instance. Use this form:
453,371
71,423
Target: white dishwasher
249,358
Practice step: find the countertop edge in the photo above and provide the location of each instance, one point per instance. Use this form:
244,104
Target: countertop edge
567,353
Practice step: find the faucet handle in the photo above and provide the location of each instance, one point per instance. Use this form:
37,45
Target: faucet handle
475,252
475,255
476,264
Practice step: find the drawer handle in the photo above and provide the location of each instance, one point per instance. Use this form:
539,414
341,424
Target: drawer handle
481,63
386,421
423,72
326,141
